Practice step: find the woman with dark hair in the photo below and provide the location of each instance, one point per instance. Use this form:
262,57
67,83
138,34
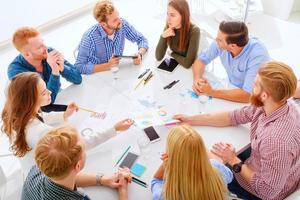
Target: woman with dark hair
180,35
25,124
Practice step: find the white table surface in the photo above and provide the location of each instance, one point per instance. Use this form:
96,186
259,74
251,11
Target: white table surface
119,99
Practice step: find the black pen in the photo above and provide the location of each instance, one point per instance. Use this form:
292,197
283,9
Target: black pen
167,86
143,74
141,182
148,77
173,83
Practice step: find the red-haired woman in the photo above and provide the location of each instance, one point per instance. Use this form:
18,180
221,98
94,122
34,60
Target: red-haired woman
25,125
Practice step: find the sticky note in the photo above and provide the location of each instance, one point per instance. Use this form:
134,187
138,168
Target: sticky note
138,169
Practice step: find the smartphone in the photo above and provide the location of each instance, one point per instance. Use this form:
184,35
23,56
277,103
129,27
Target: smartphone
129,160
121,56
168,65
152,134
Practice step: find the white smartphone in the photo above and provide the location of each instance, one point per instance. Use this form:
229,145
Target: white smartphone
152,134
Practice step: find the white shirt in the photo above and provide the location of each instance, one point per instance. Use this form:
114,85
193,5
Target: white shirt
36,129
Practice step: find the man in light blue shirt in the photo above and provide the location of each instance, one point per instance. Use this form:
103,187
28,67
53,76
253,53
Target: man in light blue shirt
101,44
240,55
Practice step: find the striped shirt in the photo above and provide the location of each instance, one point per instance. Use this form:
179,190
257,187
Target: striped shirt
275,156
37,186
296,102
97,48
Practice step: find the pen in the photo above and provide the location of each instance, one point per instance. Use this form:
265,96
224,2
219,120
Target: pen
138,181
173,83
167,86
123,155
143,74
148,77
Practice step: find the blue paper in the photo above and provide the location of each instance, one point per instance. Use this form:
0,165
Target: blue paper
138,169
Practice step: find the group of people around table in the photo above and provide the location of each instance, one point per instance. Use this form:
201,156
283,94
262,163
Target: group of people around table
53,157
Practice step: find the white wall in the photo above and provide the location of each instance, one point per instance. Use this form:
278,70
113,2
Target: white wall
16,13
296,6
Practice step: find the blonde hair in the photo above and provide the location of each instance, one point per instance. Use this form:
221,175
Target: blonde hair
58,152
22,35
278,80
188,173
102,9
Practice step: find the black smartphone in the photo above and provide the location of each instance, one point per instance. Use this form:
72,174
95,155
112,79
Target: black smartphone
122,56
129,160
168,65
152,134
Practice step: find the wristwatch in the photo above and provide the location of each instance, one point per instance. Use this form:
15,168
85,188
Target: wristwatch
237,168
98,178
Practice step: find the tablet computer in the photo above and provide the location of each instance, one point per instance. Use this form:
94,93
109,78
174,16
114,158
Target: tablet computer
168,65
129,160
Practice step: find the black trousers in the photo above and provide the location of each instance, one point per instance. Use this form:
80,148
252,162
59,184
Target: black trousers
235,188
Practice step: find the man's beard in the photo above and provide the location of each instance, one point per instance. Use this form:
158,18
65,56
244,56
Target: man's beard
255,100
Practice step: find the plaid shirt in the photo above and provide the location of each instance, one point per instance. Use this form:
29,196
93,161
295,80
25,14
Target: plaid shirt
275,156
96,48
37,186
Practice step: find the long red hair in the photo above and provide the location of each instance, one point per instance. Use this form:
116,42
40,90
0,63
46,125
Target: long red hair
183,8
19,109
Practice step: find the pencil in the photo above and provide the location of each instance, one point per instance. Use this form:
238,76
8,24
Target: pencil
123,155
139,83
87,110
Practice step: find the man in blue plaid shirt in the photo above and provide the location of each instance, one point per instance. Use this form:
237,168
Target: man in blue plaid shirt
103,41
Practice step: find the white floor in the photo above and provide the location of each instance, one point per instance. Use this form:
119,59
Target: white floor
281,38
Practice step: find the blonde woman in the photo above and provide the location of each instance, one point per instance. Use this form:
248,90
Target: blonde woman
186,172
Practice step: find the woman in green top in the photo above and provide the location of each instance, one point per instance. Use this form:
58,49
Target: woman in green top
180,35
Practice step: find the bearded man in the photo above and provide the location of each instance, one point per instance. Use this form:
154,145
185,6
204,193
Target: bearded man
273,169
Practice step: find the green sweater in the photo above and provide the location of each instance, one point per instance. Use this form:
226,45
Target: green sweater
185,58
